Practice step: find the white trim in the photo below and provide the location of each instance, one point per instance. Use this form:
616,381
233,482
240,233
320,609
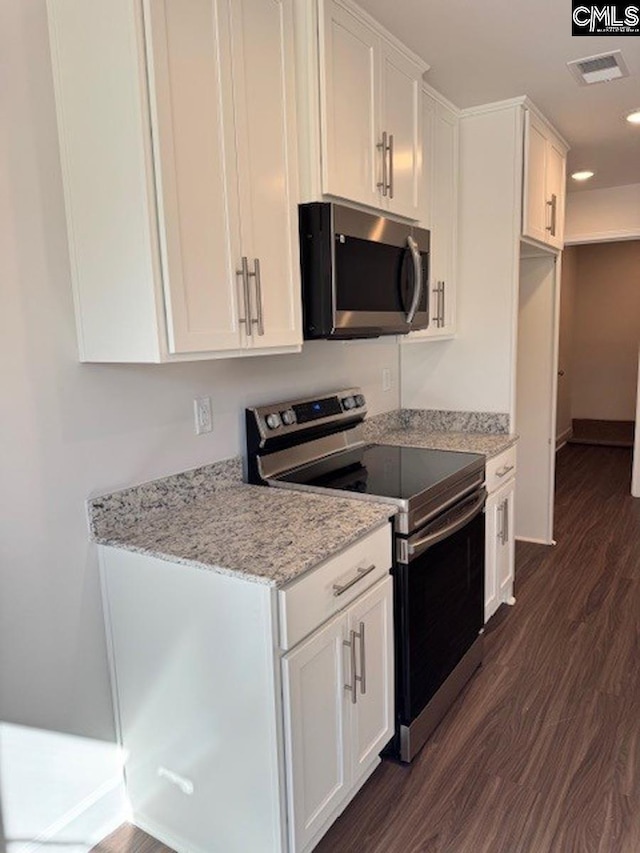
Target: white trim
535,541
440,98
160,834
494,107
377,27
562,439
102,811
602,237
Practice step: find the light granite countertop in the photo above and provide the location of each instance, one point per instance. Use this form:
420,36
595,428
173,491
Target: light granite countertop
264,535
466,432
465,442
209,519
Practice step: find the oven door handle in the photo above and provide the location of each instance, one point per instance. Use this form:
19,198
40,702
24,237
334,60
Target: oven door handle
436,536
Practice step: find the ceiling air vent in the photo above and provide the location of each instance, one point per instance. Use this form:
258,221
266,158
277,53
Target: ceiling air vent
599,69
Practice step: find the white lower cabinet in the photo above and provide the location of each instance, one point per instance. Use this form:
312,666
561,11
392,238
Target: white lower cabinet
249,716
338,697
499,533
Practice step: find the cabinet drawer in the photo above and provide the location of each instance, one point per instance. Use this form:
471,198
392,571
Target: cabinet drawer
500,469
309,601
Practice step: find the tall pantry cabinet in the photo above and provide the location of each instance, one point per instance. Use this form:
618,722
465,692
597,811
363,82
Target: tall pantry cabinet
178,147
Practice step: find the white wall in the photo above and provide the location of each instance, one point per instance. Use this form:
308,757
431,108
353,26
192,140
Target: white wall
69,430
476,370
606,331
601,215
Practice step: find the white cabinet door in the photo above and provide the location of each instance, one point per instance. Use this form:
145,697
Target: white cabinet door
371,629
184,163
506,549
493,518
534,208
315,699
544,183
440,185
352,164
262,53
401,120
191,106
499,548
445,220
555,192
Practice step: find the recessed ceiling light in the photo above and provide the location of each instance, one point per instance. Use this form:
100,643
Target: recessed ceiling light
582,176
634,117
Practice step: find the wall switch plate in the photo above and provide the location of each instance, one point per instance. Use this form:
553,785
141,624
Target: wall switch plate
386,379
202,415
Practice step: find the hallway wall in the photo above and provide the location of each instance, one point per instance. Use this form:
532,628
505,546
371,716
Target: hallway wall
606,331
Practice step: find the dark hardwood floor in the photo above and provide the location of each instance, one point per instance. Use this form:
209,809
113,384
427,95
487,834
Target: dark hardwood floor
541,753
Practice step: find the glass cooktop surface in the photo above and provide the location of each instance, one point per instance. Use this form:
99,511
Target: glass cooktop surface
385,470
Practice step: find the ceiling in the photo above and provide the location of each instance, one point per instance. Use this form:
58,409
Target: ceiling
489,50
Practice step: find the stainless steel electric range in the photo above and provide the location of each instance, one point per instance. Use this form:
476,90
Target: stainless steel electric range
316,444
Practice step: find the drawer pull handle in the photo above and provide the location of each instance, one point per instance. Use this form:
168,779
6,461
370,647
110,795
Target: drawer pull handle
339,589
504,471
362,678
351,644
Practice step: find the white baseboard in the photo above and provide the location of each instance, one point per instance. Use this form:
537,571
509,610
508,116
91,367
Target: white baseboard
535,541
84,826
161,834
562,438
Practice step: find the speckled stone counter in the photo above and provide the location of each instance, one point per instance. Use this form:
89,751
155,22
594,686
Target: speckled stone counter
466,442
261,534
467,432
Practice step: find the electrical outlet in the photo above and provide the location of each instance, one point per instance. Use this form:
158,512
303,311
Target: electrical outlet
386,379
202,415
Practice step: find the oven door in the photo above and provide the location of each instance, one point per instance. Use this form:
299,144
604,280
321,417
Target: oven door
439,602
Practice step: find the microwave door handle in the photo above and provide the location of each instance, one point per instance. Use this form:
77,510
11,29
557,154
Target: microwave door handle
417,279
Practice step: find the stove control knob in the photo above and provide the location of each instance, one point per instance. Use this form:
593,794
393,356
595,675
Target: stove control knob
273,420
348,403
359,400
288,417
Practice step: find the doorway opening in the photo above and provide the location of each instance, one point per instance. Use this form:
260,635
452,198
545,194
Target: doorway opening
598,379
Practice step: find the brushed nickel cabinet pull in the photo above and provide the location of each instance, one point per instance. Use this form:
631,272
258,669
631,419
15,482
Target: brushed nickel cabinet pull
390,185
506,521
442,314
360,573
244,272
553,204
504,471
351,645
382,146
259,321
362,678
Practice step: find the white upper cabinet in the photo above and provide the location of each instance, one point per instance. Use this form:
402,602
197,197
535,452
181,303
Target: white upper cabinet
400,132
439,212
350,119
180,175
543,182
359,105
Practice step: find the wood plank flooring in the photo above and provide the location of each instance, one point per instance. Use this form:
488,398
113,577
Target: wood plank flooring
541,753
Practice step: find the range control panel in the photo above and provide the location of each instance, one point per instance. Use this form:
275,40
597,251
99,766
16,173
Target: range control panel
284,418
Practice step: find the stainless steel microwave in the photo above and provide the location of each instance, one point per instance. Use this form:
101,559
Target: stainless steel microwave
363,275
